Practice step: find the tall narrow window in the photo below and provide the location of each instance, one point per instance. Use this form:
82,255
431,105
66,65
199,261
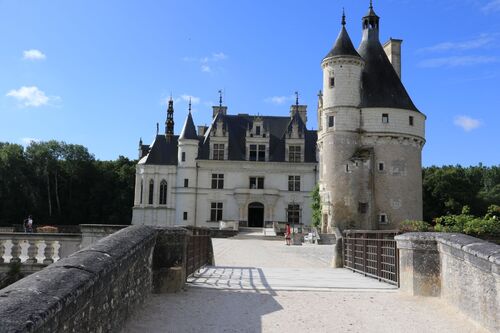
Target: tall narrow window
185,216
385,118
142,191
410,120
257,130
163,192
262,153
294,154
186,182
217,180
382,218
381,166
218,151
293,183
293,214
331,121
256,182
183,156
151,191
216,211
332,82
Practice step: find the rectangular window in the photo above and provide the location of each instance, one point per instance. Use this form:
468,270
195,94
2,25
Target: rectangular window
331,121
253,153
385,118
216,211
262,153
410,120
293,214
186,182
183,157
257,130
217,180
294,154
381,166
257,153
362,207
293,183
218,151
256,182
347,169
382,218
332,82
151,191
185,216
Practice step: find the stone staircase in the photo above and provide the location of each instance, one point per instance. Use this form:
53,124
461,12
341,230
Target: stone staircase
257,233
326,239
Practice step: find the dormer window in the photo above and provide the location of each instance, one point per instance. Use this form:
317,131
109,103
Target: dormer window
295,154
257,130
218,151
257,153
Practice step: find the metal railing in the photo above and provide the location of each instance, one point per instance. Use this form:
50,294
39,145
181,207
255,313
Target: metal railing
372,253
199,250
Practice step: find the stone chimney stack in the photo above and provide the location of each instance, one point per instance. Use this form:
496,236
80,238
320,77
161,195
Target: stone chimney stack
393,50
202,130
217,109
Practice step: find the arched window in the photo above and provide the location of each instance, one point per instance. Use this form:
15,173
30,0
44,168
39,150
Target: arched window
142,190
151,191
163,192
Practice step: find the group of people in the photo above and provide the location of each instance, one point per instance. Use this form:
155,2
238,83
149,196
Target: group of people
28,224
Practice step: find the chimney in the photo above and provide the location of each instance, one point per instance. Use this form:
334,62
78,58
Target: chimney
217,109
393,50
202,130
301,109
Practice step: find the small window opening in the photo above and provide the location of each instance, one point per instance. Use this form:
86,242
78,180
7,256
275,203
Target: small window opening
186,182
382,218
411,120
331,121
183,157
332,82
385,118
362,207
185,216
347,168
381,166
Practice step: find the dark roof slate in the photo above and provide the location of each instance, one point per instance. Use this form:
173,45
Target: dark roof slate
343,46
188,130
162,151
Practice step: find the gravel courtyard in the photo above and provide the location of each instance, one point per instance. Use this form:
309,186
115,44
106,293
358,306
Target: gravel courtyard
265,286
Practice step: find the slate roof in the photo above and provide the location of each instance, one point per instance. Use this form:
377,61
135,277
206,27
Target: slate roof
162,151
343,46
188,130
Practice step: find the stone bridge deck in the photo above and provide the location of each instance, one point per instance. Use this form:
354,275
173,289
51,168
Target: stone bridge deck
265,286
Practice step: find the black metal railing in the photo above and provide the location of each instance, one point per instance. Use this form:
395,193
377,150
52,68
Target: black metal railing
372,253
199,252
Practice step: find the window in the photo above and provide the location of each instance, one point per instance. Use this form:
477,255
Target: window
151,191
216,211
294,154
218,180
257,153
331,121
163,192
142,190
381,166
382,218
293,183
332,82
385,118
256,182
293,214
183,156
410,120
186,182
257,130
347,169
218,153
185,216
362,207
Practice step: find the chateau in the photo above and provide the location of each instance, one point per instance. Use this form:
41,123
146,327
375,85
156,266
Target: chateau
252,169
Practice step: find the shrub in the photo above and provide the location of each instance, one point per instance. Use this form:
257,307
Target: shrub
414,226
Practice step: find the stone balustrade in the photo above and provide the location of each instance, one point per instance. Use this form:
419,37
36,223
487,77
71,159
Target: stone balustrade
36,250
462,270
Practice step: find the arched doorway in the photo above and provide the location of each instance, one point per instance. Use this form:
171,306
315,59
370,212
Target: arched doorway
256,215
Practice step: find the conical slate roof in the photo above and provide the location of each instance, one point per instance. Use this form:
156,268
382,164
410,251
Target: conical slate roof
343,46
188,130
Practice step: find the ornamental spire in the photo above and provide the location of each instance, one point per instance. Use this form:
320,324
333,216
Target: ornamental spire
343,17
169,123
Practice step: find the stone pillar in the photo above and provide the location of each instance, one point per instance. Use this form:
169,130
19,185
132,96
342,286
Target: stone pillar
338,252
419,264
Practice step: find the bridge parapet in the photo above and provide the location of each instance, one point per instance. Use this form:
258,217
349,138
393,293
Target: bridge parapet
464,271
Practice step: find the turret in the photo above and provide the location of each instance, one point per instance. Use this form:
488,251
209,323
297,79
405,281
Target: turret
188,142
371,25
342,68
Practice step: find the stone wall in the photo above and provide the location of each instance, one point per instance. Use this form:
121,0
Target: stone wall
93,290
464,271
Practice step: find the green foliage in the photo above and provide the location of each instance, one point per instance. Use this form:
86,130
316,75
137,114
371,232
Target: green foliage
61,183
316,207
489,225
414,226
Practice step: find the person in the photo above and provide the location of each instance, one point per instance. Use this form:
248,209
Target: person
28,224
288,234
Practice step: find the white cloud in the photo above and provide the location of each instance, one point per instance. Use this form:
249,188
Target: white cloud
467,123
278,100
33,54
206,68
481,41
194,99
457,61
491,6
28,141
205,61
31,96
219,56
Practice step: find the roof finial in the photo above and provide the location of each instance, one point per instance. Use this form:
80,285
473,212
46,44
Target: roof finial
220,98
343,16
297,98
171,96
189,104
157,128
371,4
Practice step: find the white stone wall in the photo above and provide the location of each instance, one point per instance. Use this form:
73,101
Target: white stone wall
347,74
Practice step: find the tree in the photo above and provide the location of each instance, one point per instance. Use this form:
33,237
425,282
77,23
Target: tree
316,207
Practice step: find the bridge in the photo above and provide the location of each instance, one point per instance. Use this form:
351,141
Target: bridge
253,285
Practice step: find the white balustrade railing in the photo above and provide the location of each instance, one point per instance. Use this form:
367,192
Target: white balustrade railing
37,248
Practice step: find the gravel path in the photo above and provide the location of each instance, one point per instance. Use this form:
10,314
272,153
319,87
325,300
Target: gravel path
252,306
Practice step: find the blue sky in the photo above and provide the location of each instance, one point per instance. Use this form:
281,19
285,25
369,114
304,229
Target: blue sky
98,73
